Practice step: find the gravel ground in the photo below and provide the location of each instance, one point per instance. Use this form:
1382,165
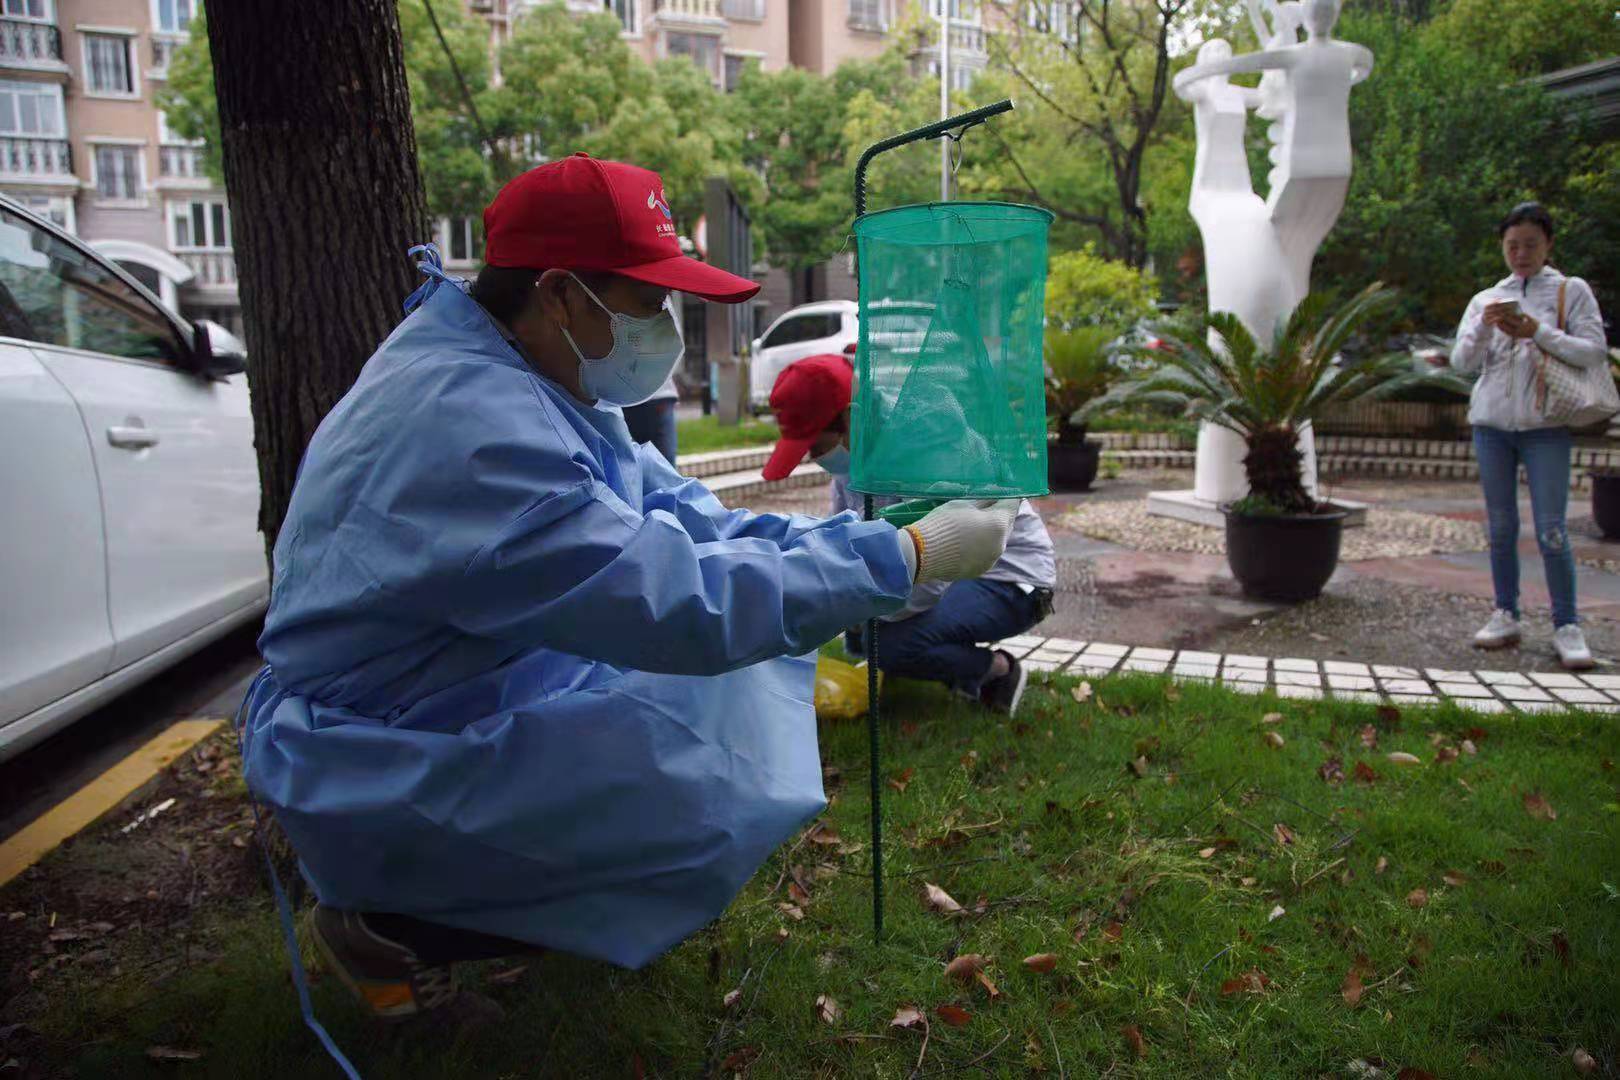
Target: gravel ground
1387,533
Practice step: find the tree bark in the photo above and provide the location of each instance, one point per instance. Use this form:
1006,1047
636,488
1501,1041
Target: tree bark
320,166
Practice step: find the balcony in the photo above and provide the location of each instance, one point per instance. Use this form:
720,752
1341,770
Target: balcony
752,10
689,12
967,39
181,163
28,44
24,158
213,269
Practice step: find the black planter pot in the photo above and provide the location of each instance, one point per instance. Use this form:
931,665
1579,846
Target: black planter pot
1072,466
1606,502
1287,558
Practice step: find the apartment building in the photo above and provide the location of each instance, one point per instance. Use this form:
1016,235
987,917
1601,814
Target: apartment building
83,142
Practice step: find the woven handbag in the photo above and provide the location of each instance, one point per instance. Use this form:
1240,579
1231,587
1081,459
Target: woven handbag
1572,396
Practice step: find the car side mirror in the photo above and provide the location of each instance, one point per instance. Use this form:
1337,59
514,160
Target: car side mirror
213,360
757,345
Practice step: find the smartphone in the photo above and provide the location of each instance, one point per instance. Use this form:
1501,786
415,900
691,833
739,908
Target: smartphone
1506,307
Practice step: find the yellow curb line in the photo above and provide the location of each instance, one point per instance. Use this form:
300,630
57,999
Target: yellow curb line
100,795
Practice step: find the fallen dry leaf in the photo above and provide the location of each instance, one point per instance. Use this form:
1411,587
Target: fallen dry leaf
1468,747
1454,878
1364,772
954,1015
1247,882
825,835
1401,757
940,900
964,967
1381,865
1412,1072
1042,962
1272,718
1351,989
827,1009
1133,1035
1369,737
1114,930
792,911
510,975
170,1053
900,782
1283,833
1388,715
731,998
1273,739
798,893
1138,767
1418,897
1082,693
782,931
739,1060
906,1016
1445,754
1204,853
1252,981
1331,771
1276,913
1584,1063
990,987
970,759
1537,806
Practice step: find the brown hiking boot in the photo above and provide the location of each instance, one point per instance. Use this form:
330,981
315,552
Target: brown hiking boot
389,979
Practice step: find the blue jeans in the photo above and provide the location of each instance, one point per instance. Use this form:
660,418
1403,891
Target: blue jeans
940,644
1544,453
654,422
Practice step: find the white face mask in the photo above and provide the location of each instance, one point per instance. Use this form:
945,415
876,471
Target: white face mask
645,350
835,461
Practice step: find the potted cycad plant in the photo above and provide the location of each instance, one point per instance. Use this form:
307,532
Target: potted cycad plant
1281,542
1606,481
1080,369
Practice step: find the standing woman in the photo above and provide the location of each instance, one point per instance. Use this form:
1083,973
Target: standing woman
1502,337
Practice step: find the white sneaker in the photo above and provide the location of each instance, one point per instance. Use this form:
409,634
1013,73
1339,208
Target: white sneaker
1502,630
1572,650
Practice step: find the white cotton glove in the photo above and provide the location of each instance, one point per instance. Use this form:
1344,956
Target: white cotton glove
962,539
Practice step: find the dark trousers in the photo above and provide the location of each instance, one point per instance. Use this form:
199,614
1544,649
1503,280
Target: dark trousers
941,644
654,422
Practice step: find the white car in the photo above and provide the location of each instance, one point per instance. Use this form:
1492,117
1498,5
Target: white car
831,326
128,478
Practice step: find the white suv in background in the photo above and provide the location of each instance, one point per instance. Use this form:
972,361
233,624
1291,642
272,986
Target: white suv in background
828,326
128,481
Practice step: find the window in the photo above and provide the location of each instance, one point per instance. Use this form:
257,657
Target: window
31,109
735,66
743,9
461,239
57,209
869,14
1055,17
27,9
174,16
63,296
109,66
799,328
961,10
200,224
118,172
627,13
704,50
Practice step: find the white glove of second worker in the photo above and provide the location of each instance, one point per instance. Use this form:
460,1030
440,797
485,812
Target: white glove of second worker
962,539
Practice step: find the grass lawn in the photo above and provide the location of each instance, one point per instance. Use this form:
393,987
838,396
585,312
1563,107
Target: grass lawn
704,433
1211,903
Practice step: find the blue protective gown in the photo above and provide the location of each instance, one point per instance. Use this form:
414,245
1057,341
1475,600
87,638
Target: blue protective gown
522,677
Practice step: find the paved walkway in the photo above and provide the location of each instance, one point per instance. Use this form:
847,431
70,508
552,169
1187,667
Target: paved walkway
1300,677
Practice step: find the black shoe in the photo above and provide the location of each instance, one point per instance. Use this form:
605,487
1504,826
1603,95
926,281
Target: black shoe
1003,695
389,979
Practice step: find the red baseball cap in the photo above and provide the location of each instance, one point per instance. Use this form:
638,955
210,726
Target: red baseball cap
583,214
807,398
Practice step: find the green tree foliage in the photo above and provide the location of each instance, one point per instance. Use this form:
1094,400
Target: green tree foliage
1084,289
568,82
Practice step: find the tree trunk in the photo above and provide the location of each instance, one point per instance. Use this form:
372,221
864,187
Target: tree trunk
320,166
1275,468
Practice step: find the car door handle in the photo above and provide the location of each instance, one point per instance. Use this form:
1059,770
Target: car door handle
131,438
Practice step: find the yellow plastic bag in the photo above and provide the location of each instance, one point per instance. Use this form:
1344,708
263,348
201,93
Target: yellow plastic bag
841,692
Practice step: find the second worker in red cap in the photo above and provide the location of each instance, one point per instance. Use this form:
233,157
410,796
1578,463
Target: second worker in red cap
527,685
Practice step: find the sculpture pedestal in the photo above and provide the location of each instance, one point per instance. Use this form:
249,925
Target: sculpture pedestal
1219,478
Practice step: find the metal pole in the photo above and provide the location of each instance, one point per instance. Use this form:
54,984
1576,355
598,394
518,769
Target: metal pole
945,97
874,709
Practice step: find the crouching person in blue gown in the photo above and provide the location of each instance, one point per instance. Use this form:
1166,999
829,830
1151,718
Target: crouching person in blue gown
527,686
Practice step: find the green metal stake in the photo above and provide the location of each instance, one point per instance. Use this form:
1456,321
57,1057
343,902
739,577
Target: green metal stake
938,129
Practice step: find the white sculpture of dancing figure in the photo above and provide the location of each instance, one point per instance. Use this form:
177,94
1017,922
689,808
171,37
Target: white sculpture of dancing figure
1258,252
